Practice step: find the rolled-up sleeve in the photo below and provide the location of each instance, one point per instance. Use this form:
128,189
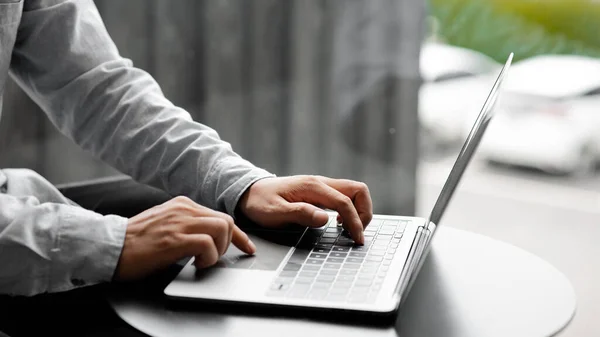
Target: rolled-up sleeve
52,246
66,61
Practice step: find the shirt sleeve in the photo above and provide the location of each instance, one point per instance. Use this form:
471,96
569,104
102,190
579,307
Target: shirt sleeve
51,247
66,61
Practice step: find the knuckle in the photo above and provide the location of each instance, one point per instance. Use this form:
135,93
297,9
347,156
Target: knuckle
362,187
182,199
298,209
311,179
344,201
222,224
168,240
229,220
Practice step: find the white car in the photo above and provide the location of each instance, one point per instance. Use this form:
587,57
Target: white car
454,79
548,116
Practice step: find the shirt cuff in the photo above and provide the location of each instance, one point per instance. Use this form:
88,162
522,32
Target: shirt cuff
236,190
86,250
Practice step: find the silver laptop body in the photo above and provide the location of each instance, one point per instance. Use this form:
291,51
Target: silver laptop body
322,268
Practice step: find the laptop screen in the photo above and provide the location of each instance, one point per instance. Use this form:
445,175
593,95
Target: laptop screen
468,148
464,157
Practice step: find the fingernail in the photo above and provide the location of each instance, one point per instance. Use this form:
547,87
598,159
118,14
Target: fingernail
251,247
361,238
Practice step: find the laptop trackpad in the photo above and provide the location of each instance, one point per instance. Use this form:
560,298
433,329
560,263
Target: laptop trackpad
271,248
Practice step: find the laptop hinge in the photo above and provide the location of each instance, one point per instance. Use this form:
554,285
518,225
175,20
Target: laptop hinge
416,250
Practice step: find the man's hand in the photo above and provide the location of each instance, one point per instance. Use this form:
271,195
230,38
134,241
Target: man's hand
276,201
174,230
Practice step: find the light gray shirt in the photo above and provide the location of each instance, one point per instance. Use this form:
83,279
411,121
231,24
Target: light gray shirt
60,53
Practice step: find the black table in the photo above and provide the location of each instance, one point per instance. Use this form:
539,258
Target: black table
470,286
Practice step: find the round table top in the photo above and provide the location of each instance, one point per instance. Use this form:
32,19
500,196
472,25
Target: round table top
471,285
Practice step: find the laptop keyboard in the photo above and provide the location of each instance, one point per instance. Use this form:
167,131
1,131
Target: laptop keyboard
328,266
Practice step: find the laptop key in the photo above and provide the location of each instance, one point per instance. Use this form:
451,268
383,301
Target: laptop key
291,266
369,270
339,254
354,259
351,266
359,249
357,254
308,274
325,278
335,260
330,235
386,262
336,297
318,256
379,248
342,285
392,223
386,232
339,291
341,249
304,280
324,247
329,272
377,253
374,258
310,268
314,261
333,230
346,278
350,272
321,285
393,245
288,273
326,240
389,256
332,266
363,283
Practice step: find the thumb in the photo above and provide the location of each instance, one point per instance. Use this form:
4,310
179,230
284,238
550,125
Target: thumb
305,214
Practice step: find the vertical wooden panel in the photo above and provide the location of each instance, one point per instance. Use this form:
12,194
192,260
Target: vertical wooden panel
177,52
127,23
375,95
223,63
347,86
305,134
325,123
269,83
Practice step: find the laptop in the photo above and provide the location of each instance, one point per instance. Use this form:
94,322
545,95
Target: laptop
322,268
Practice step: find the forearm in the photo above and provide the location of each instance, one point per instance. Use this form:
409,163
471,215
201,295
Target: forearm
51,247
67,62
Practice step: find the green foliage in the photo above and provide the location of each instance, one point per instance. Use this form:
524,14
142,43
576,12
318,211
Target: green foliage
527,27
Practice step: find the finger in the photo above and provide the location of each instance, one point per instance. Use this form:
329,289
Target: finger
203,248
321,193
216,227
242,241
301,213
358,193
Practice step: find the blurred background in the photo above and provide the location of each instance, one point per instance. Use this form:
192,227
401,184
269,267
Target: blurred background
382,91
